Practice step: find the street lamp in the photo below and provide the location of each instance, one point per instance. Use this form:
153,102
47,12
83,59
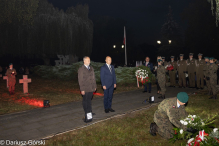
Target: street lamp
170,41
159,42
122,46
114,46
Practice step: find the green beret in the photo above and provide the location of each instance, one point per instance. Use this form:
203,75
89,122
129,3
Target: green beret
211,58
183,97
10,64
159,60
206,57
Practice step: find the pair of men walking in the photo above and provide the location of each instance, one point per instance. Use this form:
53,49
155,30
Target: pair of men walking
87,83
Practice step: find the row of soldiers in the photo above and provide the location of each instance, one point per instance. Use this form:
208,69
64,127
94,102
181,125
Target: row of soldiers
196,70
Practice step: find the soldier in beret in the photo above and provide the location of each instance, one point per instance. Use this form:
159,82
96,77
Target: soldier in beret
11,73
213,77
161,74
170,111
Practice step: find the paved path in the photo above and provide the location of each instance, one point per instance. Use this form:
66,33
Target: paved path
43,122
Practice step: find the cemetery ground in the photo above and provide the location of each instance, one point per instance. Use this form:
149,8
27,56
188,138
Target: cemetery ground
133,128
56,90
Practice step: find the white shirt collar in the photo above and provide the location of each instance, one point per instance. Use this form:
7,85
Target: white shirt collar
107,64
86,66
147,62
178,105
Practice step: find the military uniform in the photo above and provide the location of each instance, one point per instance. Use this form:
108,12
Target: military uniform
161,72
167,115
200,73
11,79
165,64
182,68
191,71
172,73
206,75
213,77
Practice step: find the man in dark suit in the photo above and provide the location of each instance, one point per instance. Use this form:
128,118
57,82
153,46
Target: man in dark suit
108,80
150,65
87,83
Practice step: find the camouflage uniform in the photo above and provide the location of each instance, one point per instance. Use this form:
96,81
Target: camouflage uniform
199,73
206,74
161,73
182,67
191,71
11,79
167,115
213,77
165,64
172,74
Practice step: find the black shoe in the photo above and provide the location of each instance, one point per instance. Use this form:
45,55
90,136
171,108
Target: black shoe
144,91
93,114
153,129
106,110
161,97
111,110
149,92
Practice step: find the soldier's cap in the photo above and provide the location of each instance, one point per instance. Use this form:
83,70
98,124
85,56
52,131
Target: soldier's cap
183,97
163,57
10,64
200,54
211,58
190,54
172,57
159,60
181,54
206,57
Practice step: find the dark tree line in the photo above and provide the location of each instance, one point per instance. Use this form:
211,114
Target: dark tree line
35,28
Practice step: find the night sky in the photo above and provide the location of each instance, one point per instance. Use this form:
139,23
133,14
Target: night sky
145,17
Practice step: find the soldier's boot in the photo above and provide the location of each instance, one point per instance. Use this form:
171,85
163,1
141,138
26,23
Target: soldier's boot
153,129
13,92
161,97
10,93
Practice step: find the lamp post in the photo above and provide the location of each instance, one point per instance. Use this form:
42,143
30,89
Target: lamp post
159,42
170,41
114,46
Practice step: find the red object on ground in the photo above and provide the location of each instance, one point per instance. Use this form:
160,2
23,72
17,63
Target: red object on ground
99,94
33,102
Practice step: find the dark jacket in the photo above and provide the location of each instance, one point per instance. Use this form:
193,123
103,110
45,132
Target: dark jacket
107,78
150,65
86,79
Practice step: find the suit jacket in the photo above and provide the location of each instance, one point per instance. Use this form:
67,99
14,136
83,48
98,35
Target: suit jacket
150,65
86,79
107,78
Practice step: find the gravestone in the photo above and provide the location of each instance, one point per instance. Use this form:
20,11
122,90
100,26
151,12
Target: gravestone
63,60
6,78
25,82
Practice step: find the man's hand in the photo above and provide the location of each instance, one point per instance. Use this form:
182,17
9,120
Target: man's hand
95,89
82,92
104,87
114,85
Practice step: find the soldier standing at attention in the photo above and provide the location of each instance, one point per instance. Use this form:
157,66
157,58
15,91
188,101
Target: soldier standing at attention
161,72
191,70
170,111
182,69
11,73
206,75
213,77
172,73
165,64
199,72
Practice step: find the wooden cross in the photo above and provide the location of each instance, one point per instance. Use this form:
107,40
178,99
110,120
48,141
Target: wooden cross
25,82
6,78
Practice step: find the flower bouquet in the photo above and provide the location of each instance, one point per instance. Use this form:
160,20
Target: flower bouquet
199,126
169,67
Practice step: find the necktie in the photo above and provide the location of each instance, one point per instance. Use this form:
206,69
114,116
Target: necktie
110,68
88,67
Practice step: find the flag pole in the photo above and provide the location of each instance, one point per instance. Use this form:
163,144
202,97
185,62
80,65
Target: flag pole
125,48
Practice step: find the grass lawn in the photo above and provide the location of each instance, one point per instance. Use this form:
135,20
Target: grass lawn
132,129
55,90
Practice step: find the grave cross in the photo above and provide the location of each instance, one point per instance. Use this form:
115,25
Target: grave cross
6,78
25,82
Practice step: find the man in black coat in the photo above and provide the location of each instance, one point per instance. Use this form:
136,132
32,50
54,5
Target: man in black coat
149,65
